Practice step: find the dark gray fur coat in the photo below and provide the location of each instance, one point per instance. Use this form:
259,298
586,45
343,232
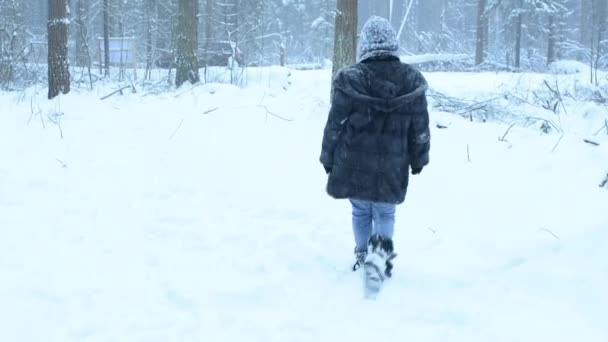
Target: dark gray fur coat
378,127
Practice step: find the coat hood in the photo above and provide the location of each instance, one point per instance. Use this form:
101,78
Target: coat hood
382,95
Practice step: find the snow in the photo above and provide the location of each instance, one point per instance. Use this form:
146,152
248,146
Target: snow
569,67
432,57
317,23
198,215
59,21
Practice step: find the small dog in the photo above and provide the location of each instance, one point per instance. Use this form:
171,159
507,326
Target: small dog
378,265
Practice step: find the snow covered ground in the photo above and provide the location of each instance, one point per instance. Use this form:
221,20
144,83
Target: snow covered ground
201,215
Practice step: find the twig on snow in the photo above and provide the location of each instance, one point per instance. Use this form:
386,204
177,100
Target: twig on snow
432,230
273,114
507,132
56,119
591,142
177,129
209,111
550,232
605,126
115,92
604,183
63,165
468,153
557,143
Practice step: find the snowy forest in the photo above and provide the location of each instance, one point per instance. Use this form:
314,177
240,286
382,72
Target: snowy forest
303,170
509,35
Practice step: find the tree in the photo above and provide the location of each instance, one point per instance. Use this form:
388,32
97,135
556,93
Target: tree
481,47
58,65
187,43
599,7
10,34
518,32
345,41
82,48
106,36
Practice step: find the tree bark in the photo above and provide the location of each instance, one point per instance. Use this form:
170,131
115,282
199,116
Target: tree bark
600,24
345,41
518,34
58,65
586,22
552,40
148,6
82,47
482,33
106,36
187,43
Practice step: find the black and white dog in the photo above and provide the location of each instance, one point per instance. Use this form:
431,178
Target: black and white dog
378,263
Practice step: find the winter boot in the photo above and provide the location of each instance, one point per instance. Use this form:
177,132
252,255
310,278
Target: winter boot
360,259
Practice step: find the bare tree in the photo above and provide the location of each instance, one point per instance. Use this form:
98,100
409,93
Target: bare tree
106,36
58,65
599,31
9,37
81,33
519,22
187,43
345,42
481,49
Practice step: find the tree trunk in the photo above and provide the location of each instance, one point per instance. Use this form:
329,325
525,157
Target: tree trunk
106,36
518,34
82,46
187,43
345,42
600,8
482,33
58,65
148,6
586,22
552,40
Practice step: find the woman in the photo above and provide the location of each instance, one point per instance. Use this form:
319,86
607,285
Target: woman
378,127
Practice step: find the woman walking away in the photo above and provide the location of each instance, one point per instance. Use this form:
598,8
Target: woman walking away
377,129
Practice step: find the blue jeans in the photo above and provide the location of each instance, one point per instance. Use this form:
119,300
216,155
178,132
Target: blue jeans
371,217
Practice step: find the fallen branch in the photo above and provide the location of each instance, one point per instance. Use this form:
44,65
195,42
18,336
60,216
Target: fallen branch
591,142
56,119
557,143
604,183
115,92
177,129
63,165
605,126
550,232
507,132
273,114
209,111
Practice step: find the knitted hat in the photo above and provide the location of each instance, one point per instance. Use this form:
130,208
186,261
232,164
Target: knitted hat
378,38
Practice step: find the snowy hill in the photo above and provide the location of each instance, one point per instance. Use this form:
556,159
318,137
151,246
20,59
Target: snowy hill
201,215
